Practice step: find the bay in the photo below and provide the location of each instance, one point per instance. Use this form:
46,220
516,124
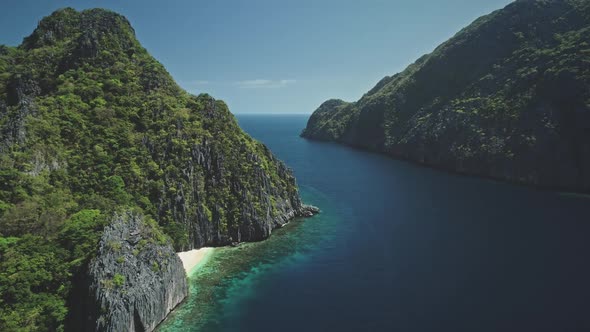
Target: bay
397,247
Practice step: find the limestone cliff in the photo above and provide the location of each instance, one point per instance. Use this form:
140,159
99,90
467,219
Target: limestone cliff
136,279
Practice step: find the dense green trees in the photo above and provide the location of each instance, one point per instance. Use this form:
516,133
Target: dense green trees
35,272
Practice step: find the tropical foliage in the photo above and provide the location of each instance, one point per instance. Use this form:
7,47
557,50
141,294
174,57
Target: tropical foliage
89,123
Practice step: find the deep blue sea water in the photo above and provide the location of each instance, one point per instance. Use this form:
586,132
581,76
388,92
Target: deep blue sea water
398,248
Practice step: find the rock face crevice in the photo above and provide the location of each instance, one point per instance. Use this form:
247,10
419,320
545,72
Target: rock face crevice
507,98
136,279
21,91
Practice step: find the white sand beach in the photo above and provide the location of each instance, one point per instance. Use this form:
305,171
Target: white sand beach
190,259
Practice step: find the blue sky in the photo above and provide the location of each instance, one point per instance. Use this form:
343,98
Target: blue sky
272,56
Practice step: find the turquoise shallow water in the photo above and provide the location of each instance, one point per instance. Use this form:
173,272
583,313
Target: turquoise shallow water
232,276
397,248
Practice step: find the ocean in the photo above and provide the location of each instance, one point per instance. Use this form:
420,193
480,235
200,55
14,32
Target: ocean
397,247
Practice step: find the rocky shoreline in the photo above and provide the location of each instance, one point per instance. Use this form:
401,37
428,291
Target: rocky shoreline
305,211
522,182
137,279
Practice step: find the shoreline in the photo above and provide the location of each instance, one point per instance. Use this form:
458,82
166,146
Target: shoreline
193,259
560,190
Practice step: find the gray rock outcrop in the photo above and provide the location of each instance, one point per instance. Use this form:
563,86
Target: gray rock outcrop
136,279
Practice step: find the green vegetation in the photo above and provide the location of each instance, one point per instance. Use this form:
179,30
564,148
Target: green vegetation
155,266
35,272
507,97
118,280
90,123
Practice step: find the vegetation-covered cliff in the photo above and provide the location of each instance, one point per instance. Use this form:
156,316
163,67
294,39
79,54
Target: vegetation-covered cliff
507,97
93,128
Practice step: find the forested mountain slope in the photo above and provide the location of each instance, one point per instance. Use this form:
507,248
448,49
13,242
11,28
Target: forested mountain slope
95,133
507,97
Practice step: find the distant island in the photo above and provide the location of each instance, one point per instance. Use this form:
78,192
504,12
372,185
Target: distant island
107,167
508,97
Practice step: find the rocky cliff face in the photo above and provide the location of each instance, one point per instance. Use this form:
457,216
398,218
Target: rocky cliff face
507,97
258,208
136,279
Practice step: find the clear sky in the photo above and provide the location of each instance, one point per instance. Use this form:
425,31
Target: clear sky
274,56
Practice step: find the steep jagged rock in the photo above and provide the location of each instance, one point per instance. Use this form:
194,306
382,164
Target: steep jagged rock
136,279
508,97
20,93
